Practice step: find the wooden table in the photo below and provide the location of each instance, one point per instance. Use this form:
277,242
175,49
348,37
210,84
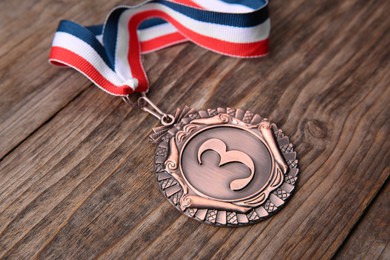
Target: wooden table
76,178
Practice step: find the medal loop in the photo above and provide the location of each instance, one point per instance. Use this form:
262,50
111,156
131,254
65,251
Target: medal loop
146,105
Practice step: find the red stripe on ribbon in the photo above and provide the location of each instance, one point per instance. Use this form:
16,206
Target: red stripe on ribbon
162,42
188,3
63,56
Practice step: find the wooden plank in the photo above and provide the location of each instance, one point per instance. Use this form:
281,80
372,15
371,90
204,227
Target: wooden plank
81,185
370,239
31,90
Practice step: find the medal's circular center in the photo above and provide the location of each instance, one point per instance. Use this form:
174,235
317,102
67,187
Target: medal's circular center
226,163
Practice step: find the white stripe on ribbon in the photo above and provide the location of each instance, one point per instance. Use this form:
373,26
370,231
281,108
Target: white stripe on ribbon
100,38
220,6
156,31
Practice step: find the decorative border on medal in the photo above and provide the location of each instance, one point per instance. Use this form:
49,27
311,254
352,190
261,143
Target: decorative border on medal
174,187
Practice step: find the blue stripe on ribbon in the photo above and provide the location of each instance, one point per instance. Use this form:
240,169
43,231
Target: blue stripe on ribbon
87,36
150,23
110,33
248,3
96,29
254,18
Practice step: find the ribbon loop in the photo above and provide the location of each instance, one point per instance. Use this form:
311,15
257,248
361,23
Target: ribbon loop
110,54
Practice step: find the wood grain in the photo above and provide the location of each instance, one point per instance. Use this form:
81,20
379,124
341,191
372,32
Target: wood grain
370,239
76,178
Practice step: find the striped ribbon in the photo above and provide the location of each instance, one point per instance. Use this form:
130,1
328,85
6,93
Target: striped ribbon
110,54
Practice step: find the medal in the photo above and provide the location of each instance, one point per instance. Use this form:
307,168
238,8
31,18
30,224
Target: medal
224,166
221,166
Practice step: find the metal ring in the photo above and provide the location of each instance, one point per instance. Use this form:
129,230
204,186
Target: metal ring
167,120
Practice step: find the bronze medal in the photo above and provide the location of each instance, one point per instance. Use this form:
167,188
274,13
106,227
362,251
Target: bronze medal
225,167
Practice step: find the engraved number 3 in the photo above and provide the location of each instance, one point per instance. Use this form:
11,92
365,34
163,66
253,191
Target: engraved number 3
226,156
